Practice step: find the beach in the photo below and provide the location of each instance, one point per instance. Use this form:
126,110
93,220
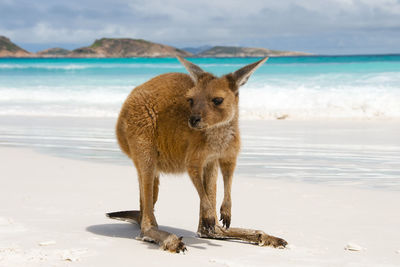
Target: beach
296,102
53,211
318,166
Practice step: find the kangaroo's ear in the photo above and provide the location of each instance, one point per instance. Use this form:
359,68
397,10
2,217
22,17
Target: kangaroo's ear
194,71
242,75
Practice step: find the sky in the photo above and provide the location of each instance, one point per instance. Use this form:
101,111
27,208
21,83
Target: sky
315,26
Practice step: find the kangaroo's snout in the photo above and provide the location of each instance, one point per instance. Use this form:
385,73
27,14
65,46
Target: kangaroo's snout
194,120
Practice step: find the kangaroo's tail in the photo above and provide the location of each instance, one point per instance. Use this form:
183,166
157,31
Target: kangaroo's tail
132,216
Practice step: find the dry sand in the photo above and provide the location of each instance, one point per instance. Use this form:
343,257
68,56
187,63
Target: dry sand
52,214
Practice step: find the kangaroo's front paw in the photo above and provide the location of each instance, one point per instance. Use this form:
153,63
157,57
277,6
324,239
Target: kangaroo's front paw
226,214
173,244
226,220
269,240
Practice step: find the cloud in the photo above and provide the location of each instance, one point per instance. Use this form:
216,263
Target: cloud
331,24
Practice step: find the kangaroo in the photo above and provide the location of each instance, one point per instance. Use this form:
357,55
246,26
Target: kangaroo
177,123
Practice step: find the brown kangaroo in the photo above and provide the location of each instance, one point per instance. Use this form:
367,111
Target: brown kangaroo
178,123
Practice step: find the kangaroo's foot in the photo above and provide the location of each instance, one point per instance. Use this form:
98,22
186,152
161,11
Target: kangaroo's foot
248,235
165,240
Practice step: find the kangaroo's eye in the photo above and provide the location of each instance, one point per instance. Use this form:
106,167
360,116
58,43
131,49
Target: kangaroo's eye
217,101
190,101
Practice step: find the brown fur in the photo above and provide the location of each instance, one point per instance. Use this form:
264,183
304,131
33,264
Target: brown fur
172,124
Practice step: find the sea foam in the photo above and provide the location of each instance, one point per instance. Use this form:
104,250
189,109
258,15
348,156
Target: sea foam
311,103
264,102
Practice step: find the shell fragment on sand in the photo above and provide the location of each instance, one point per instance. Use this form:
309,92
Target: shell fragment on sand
73,254
47,243
353,247
68,257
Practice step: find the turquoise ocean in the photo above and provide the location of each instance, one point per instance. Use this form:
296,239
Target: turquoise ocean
297,87
68,108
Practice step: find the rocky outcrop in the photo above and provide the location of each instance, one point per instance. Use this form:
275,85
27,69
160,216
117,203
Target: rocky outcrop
122,48
9,49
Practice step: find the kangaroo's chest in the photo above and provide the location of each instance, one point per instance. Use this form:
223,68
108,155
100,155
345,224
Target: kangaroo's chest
180,148
219,140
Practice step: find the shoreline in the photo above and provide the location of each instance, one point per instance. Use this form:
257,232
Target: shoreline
362,154
61,203
195,57
6,117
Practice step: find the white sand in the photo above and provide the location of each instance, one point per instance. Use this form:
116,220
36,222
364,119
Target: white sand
61,203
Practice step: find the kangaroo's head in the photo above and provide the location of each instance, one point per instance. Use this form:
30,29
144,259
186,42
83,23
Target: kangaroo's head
214,101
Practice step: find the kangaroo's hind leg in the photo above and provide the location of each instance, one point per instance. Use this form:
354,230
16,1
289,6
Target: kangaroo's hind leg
155,189
144,160
134,216
210,174
207,211
248,235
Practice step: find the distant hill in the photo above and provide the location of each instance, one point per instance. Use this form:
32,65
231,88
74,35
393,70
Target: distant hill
9,49
125,48
121,48
197,50
236,51
54,52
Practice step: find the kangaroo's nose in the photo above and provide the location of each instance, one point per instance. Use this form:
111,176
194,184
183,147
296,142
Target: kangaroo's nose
194,120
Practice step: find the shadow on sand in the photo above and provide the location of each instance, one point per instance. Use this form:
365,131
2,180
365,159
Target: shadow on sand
131,231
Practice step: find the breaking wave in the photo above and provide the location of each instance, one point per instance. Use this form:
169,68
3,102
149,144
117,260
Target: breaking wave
256,102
